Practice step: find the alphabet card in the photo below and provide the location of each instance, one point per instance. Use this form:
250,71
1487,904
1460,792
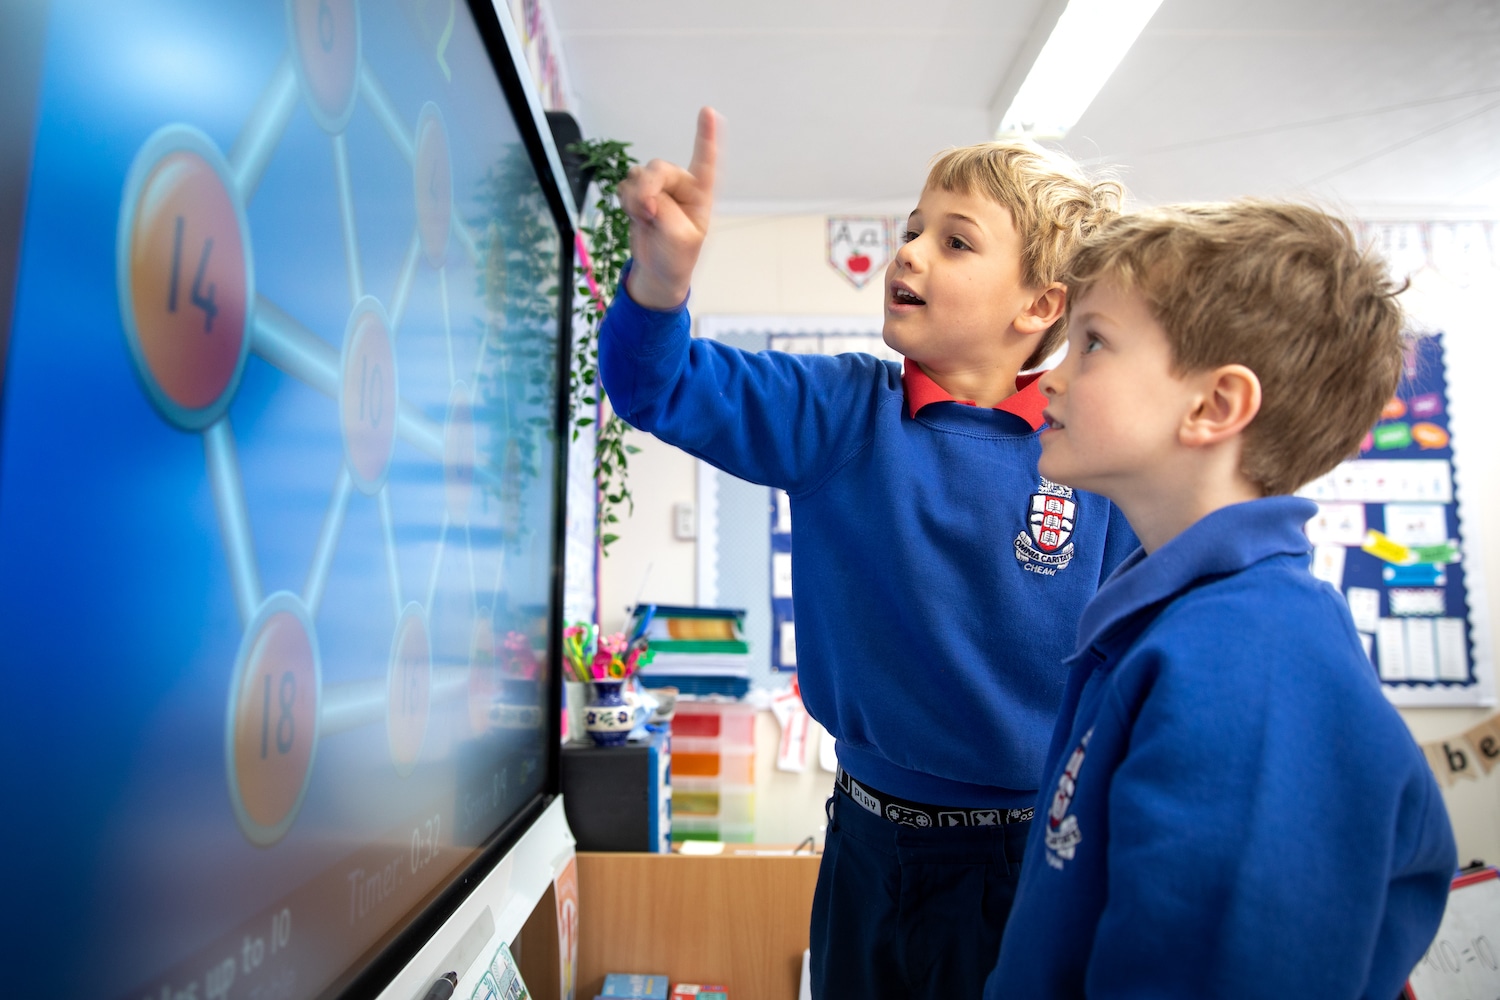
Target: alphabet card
859,246
1389,535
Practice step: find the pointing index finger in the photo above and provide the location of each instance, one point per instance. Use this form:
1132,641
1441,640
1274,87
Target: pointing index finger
705,149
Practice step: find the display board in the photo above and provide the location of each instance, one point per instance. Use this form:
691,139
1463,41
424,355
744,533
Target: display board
1391,535
745,558
280,489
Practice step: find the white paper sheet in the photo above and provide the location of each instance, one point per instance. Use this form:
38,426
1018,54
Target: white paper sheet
1364,608
1416,523
788,640
1328,564
1421,650
1452,650
781,574
1390,645
1409,602
1337,524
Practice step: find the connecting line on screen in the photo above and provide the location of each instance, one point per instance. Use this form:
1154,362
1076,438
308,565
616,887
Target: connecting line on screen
418,431
352,705
499,579
294,348
333,523
346,214
473,576
277,686
234,518
447,324
437,562
466,240
283,342
263,130
385,112
403,283
388,529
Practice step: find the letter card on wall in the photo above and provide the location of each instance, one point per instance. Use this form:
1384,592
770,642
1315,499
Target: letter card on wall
1390,535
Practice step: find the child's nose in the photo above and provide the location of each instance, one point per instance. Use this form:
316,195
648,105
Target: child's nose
906,254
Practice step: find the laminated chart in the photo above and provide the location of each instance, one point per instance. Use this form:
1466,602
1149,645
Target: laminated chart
193,317
1390,536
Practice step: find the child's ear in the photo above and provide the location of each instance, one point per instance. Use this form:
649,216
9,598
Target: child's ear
1228,400
1043,310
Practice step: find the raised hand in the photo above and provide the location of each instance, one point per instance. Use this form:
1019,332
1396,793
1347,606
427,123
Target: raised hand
669,209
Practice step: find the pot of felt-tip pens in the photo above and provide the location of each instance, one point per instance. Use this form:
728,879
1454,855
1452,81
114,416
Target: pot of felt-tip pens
603,665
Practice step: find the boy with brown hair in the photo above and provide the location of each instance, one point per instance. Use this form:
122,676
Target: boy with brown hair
1233,809
938,578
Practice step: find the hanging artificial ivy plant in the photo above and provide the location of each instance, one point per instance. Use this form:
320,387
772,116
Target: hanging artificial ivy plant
608,240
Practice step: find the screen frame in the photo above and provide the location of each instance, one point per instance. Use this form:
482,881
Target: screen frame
369,974
23,49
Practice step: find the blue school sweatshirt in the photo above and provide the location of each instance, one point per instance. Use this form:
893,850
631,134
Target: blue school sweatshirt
937,580
1231,806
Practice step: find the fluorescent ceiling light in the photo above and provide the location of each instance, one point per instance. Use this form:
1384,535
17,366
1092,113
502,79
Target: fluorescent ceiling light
1088,42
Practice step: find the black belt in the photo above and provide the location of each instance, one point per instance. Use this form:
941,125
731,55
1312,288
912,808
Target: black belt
919,814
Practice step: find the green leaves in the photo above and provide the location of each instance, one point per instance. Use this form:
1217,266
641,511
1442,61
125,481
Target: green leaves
608,240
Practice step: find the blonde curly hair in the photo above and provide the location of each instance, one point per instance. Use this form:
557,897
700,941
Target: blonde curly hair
1052,204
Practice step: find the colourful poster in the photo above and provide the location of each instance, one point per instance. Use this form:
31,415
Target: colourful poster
1390,535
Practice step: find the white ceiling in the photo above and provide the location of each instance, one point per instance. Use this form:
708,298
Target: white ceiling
1382,108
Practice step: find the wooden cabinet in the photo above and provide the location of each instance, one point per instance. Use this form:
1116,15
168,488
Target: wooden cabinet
737,919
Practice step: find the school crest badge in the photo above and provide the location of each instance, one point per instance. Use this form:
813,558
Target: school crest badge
1063,834
1046,545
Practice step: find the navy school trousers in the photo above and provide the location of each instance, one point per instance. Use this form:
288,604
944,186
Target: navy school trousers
902,912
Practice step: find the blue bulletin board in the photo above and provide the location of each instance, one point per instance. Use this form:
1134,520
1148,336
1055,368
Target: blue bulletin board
1389,534
861,335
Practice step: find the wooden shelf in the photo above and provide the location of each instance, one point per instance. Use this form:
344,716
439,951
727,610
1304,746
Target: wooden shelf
736,919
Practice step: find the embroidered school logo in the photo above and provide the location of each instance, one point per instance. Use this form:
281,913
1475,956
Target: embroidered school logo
1045,546
1063,835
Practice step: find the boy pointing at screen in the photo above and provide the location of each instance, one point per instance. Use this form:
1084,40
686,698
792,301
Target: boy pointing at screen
938,578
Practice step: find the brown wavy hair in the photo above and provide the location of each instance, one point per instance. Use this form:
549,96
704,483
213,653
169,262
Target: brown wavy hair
1280,288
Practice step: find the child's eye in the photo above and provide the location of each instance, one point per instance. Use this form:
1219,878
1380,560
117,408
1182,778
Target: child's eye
1090,342
957,243
908,236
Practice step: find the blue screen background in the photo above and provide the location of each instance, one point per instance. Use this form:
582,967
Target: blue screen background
119,630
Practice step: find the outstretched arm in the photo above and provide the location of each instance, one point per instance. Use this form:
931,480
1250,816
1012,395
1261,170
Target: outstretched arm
669,208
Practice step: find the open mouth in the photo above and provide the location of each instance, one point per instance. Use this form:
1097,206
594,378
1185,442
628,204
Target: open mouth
1052,422
903,296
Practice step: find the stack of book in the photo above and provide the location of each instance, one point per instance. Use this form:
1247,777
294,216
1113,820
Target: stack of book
699,651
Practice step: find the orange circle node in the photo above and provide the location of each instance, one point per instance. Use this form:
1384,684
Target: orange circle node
272,730
458,453
368,395
325,43
408,689
432,177
185,279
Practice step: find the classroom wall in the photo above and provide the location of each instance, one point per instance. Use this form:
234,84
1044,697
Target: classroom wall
775,265
750,265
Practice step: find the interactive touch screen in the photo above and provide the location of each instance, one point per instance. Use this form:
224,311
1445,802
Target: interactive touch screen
278,491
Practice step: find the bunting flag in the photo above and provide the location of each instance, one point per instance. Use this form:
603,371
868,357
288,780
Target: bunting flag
1464,252
1467,755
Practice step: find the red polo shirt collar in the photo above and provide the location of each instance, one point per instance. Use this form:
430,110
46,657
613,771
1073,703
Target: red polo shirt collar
1027,402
